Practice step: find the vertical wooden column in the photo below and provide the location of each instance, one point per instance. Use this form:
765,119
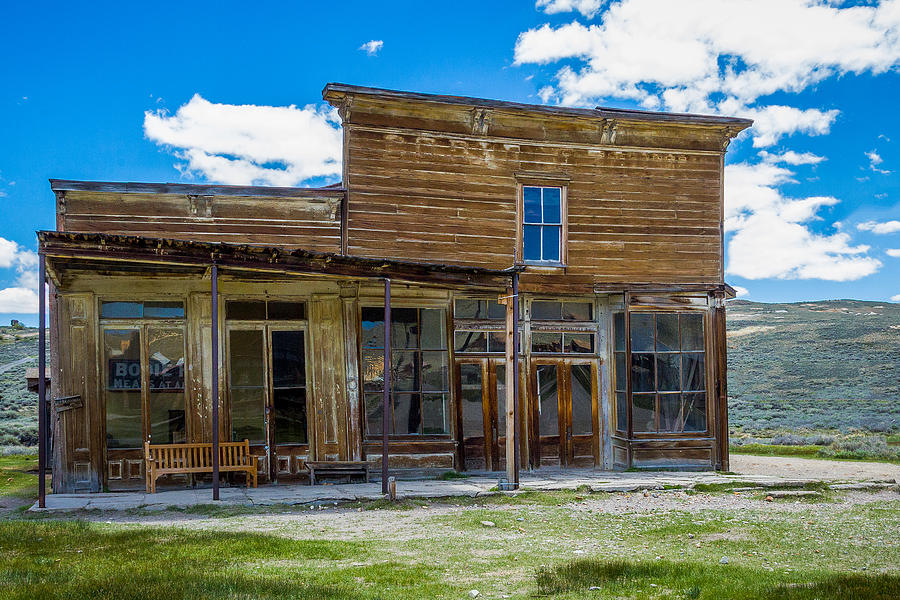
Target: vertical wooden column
42,384
214,277
386,399
721,381
512,384
630,429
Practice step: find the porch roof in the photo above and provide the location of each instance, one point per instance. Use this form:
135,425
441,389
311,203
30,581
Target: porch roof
67,251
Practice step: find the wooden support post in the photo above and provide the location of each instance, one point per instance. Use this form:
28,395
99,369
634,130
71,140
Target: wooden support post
42,384
511,300
214,276
386,399
720,386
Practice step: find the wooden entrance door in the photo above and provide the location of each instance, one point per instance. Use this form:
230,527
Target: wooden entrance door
564,409
267,395
482,392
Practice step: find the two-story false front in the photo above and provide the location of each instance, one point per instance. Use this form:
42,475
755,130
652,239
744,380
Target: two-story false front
607,222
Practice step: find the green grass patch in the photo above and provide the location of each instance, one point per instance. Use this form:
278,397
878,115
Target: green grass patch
451,476
808,451
14,477
701,580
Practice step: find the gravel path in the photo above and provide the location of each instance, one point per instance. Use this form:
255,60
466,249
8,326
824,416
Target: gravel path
779,466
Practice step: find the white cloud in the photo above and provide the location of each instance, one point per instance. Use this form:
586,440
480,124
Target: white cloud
586,7
372,47
880,228
740,291
893,252
791,158
770,236
249,144
717,57
22,297
895,298
875,160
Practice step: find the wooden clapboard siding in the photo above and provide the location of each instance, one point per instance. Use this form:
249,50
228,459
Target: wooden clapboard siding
310,222
632,216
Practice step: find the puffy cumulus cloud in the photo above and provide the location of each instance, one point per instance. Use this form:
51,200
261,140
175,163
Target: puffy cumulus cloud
372,47
249,144
881,228
588,8
21,297
741,291
717,57
893,252
769,234
895,298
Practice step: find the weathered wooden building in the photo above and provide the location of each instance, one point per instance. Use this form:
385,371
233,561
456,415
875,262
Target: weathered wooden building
609,222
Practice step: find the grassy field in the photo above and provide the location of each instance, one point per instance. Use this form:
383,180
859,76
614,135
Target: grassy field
18,406
719,543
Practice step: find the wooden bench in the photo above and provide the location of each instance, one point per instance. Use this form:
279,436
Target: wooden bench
166,459
340,468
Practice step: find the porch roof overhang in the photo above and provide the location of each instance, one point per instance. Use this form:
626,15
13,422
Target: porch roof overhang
70,251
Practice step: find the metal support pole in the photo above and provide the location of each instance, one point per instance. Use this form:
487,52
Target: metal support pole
386,400
42,385
214,276
515,369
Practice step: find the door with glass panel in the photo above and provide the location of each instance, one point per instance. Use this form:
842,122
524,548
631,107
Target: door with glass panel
482,393
268,400
565,411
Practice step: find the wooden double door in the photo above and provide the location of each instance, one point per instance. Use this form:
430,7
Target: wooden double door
564,412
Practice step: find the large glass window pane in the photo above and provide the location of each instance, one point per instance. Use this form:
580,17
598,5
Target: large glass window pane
532,242
372,326
374,406
642,330
548,400
543,310
163,310
552,202
670,413
373,370
668,372
621,411
621,376
546,342
247,374
405,373
550,249
577,311
435,375
472,404
643,412
691,331
501,400
121,310
289,395
407,414
434,329
582,403
667,332
694,412
694,367
579,343
286,311
435,414
404,328
466,308
245,310
495,310
643,373
619,332
165,348
497,341
470,341
532,200
122,352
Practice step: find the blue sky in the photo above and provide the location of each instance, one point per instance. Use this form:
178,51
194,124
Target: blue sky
78,82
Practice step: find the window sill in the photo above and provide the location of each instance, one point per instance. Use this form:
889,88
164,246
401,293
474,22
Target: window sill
544,266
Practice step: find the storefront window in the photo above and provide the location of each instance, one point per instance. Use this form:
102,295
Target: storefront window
420,381
122,358
668,372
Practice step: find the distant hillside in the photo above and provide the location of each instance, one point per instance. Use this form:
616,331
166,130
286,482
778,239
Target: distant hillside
831,364
18,406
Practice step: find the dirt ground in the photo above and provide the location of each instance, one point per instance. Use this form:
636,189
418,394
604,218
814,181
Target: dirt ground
812,468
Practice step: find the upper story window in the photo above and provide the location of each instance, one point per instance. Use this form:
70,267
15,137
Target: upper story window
543,224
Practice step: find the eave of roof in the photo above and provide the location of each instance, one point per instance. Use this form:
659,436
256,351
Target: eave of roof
192,189
339,89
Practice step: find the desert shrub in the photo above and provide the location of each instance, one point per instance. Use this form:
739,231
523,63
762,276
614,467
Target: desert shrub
791,439
16,450
862,446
